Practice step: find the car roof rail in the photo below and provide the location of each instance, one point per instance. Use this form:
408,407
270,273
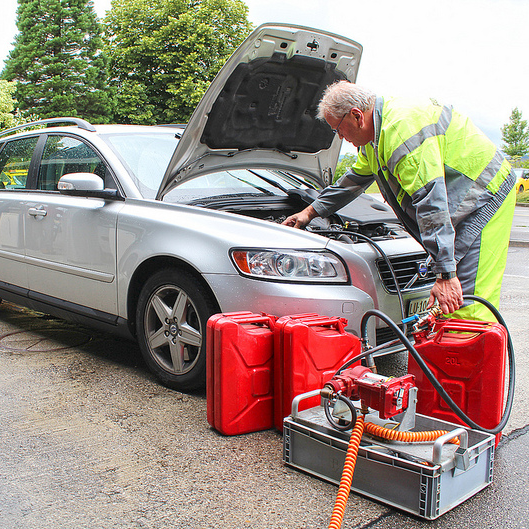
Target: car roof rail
81,123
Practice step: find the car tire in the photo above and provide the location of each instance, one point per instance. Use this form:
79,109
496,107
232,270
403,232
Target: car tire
171,319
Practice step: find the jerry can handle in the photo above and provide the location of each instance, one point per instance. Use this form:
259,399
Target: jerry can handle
441,441
337,323
462,326
254,318
299,398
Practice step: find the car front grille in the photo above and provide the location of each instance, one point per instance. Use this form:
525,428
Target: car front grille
405,267
385,335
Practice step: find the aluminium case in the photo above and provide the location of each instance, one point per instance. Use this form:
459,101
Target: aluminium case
403,475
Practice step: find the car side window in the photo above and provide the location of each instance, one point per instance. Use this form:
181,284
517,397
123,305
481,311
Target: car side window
14,162
63,155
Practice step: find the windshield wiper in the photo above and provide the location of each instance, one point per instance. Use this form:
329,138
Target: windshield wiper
216,198
255,186
270,181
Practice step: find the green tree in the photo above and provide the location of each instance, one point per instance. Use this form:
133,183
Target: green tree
57,60
164,54
515,135
7,104
347,161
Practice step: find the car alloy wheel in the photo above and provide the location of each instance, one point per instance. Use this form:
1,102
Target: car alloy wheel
172,318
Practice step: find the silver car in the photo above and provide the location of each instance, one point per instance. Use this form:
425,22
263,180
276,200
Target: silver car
148,231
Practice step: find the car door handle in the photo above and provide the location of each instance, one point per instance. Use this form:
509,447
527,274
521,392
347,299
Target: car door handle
37,212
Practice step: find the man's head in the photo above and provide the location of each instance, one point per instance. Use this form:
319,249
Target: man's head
348,109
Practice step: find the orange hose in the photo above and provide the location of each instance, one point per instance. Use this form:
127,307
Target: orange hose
405,437
347,475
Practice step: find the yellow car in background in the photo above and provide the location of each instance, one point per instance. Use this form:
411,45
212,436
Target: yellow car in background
522,184
11,177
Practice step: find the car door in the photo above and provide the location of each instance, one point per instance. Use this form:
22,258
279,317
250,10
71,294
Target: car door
71,241
15,165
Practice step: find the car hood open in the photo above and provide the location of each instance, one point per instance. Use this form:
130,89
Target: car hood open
260,110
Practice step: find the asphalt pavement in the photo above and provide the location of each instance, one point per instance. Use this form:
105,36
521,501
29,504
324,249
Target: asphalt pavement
520,226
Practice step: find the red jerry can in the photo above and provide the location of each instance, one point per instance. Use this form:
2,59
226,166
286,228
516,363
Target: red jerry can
308,350
239,383
468,359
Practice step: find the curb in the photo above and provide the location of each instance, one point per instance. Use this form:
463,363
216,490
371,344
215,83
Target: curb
519,244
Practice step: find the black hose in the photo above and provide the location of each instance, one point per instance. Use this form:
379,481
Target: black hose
366,353
431,377
382,254
347,424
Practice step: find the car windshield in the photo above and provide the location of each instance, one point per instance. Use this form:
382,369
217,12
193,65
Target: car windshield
147,154
234,183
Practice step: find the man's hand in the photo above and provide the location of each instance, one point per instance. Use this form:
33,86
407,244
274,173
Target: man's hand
448,293
301,219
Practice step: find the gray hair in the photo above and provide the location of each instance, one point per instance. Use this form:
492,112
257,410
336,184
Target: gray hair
340,97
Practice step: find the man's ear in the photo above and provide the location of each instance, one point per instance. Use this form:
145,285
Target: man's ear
358,116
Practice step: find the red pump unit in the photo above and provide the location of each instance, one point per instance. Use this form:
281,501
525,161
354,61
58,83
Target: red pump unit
468,359
389,396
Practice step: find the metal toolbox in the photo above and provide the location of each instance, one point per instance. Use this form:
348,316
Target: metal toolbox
425,479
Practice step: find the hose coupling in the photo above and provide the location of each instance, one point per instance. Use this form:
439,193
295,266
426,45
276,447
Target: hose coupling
327,392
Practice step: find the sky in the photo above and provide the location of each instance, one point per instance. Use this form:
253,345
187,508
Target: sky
472,54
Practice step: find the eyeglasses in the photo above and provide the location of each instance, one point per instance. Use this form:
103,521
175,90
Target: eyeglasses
336,130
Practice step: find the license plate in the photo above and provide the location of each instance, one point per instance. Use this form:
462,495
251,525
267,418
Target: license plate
417,306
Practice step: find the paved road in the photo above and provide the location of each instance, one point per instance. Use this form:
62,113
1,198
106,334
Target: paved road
520,226
89,439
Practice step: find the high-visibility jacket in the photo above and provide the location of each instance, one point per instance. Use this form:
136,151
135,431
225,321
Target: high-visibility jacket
441,175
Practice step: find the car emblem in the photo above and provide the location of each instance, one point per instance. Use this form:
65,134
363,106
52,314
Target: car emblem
422,269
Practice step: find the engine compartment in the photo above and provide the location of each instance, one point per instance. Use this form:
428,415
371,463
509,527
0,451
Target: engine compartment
364,218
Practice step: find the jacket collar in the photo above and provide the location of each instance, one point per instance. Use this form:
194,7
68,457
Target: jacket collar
377,118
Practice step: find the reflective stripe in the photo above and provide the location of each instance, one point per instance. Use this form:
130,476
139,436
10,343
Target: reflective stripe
478,188
429,131
487,211
485,178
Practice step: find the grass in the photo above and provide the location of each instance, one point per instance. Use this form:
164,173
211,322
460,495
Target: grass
373,188
522,197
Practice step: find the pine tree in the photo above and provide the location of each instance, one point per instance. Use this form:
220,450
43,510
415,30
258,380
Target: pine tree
515,134
58,61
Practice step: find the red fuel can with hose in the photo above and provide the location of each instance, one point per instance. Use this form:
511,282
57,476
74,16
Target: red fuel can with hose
468,358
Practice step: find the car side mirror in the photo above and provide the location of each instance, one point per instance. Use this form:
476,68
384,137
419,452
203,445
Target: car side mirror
86,185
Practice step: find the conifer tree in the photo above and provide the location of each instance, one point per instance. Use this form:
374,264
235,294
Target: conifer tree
57,60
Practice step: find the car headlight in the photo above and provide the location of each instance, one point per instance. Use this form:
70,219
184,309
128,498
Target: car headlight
290,265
